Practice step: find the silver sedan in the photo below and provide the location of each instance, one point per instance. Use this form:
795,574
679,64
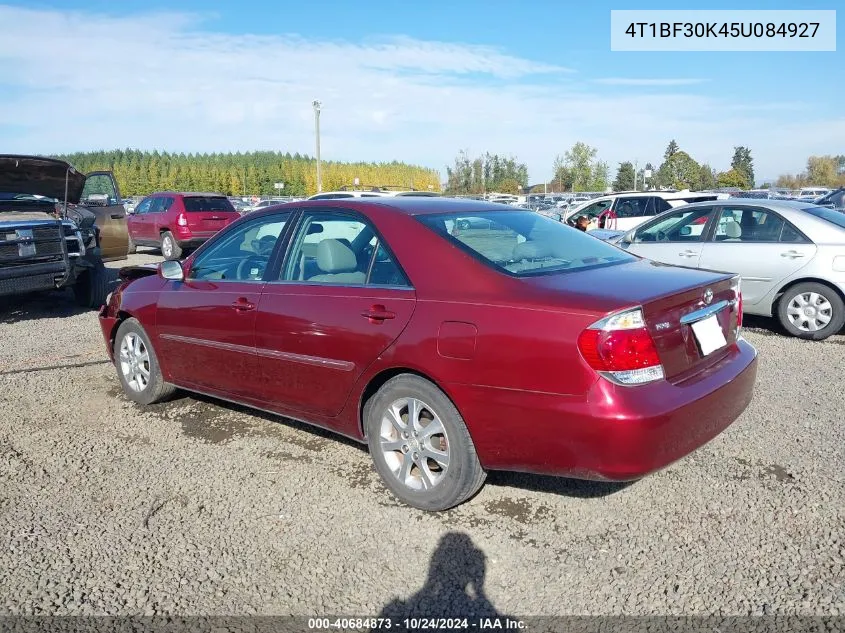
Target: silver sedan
790,255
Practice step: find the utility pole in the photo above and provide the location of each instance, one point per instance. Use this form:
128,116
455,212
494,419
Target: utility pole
636,166
316,105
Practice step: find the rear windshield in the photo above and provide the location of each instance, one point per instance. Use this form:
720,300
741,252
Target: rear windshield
834,217
524,243
207,203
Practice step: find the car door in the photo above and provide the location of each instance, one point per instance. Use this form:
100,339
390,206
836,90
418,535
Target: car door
138,221
758,244
674,238
206,323
101,195
339,301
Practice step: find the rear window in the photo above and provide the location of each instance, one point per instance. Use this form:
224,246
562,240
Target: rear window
524,243
834,217
207,203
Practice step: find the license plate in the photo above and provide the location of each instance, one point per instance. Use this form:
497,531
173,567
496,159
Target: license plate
27,249
709,335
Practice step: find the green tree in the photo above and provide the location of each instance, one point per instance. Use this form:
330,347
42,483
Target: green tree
624,177
733,178
671,150
679,171
562,179
600,176
743,163
706,178
579,160
823,170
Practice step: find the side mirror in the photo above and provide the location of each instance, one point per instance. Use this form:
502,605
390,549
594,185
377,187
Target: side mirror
172,270
686,231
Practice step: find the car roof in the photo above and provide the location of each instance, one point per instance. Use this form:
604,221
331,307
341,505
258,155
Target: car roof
785,206
409,205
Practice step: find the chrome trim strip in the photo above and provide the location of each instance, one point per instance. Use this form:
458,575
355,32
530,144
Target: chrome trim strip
697,315
317,361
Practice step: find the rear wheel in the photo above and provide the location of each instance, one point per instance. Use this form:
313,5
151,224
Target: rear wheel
420,445
811,311
137,365
169,248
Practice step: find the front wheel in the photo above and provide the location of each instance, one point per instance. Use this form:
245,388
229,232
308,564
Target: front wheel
811,311
420,445
137,365
169,248
92,286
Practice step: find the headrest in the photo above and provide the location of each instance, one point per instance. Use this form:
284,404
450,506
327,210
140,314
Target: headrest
334,256
733,230
531,250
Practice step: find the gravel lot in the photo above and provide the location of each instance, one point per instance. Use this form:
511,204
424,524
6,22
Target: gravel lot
200,507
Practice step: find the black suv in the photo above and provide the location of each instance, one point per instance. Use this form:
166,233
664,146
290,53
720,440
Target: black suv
47,239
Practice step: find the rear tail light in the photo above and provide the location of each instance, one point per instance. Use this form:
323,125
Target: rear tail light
620,348
736,286
181,220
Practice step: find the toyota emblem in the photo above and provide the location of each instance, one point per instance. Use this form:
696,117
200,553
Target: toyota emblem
708,296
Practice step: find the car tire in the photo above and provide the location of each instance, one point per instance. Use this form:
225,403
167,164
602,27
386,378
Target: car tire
92,287
169,248
131,249
808,305
145,366
406,463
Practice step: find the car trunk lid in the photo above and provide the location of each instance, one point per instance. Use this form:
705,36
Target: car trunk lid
208,214
672,299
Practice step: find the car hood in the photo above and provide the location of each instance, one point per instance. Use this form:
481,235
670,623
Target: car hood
40,176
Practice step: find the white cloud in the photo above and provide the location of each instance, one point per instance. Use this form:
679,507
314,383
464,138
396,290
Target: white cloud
633,81
164,81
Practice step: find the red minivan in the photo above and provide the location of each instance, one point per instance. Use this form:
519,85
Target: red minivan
178,222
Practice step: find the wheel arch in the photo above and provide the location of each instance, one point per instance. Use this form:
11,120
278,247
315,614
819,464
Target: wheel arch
122,315
804,280
377,382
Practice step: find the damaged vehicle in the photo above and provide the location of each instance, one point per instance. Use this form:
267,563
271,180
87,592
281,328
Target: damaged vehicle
49,238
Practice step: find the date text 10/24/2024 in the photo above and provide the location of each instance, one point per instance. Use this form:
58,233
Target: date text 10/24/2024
416,624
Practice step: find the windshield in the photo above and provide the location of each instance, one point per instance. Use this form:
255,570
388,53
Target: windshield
207,203
832,216
523,243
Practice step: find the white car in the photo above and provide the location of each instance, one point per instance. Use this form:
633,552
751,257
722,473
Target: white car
790,256
626,211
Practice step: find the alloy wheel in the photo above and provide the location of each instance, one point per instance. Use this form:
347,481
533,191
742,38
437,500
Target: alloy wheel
134,361
414,444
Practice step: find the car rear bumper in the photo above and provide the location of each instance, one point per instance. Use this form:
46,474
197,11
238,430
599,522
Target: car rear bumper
614,433
107,324
194,241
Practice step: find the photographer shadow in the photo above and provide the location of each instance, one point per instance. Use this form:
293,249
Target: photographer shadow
454,588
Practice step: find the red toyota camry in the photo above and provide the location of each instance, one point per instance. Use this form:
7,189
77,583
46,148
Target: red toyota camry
452,336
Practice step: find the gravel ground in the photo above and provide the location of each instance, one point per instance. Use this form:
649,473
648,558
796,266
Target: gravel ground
200,507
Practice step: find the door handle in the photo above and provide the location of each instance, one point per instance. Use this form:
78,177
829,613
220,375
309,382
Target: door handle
792,254
116,216
378,313
688,253
243,305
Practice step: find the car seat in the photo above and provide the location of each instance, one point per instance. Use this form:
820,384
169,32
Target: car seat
338,264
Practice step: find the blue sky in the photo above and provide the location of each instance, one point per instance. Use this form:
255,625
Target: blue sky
407,81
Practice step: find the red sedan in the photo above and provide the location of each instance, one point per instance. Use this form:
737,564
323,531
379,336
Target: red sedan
452,336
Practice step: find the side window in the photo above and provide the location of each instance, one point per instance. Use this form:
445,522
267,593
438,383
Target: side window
631,207
682,226
242,254
596,209
791,234
166,203
748,224
144,206
333,248
98,185
157,205
661,205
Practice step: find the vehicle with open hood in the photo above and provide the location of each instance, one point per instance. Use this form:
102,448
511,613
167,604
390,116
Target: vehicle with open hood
57,226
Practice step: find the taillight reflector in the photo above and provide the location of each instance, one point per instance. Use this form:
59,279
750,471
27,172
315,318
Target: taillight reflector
621,348
181,220
736,286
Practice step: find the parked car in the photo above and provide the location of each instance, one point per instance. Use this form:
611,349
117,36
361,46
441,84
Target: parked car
48,239
537,348
625,211
790,255
179,222
833,200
